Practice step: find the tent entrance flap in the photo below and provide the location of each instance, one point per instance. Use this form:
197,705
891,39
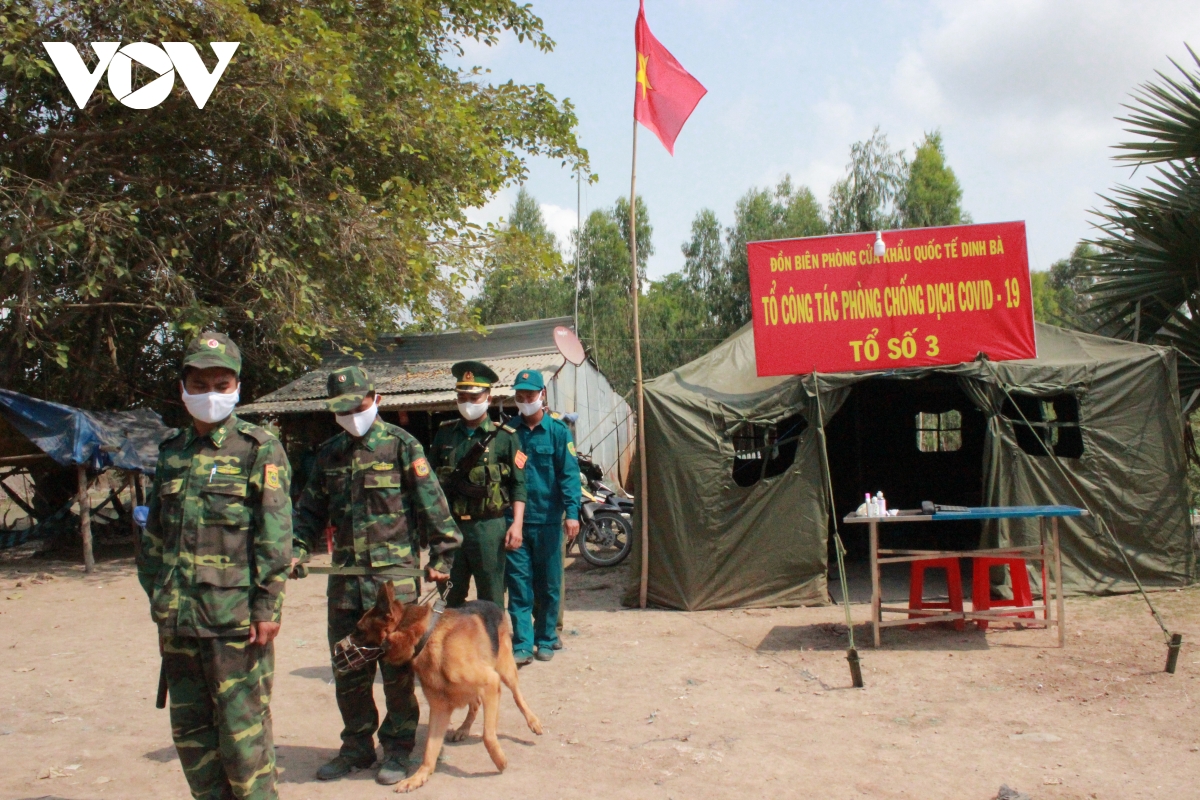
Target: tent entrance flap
912,439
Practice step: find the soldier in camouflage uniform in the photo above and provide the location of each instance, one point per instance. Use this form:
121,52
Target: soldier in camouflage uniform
497,479
373,484
214,557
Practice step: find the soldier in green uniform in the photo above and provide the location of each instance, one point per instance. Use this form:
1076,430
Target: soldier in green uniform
214,558
374,485
481,493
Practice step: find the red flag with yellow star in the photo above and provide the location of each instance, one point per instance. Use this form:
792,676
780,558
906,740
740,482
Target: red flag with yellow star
665,94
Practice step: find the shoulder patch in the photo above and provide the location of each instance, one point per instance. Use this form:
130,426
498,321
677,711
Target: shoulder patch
508,427
271,477
520,458
448,422
421,467
571,448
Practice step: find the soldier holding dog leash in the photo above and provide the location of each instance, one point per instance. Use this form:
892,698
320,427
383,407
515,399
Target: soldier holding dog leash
375,486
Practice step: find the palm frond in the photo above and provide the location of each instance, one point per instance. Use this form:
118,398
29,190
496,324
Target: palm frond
1167,115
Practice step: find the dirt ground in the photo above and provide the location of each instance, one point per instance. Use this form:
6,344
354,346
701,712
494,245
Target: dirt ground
655,704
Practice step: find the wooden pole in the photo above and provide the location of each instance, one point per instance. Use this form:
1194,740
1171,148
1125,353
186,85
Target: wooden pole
643,494
876,589
1058,583
85,519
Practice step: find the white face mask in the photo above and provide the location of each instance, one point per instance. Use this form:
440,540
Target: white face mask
473,411
359,423
529,409
210,406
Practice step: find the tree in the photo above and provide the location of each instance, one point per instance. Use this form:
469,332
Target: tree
1069,288
864,200
1147,270
320,191
524,273
676,325
605,302
719,271
931,195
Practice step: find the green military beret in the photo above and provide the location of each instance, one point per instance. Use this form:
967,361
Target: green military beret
473,376
212,349
347,388
529,380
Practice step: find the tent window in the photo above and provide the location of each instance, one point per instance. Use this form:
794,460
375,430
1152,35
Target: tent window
764,450
1045,425
939,433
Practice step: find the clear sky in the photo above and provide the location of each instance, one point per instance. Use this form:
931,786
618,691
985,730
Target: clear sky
1024,92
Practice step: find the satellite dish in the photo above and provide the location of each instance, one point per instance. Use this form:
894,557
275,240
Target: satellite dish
569,345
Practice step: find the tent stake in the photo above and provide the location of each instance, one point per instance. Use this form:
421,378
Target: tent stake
1173,651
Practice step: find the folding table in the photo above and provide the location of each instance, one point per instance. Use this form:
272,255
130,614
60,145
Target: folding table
1038,552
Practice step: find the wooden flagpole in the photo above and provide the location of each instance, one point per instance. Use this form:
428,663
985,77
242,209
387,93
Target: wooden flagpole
643,495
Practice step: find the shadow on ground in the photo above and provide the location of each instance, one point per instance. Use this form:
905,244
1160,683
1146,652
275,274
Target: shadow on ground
830,636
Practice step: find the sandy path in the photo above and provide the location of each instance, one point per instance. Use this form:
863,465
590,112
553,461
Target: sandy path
644,704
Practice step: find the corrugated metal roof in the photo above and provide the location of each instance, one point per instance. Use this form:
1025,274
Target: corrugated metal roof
415,370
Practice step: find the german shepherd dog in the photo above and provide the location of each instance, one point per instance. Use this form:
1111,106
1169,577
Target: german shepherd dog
467,657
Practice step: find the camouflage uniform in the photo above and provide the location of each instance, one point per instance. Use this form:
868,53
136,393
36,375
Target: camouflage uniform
500,474
214,558
374,490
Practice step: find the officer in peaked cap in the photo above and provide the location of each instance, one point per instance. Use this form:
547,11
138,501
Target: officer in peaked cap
481,468
371,483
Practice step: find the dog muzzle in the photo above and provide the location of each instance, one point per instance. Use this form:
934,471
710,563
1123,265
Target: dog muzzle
349,656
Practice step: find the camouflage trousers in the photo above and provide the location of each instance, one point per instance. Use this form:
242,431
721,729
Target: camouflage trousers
220,715
356,699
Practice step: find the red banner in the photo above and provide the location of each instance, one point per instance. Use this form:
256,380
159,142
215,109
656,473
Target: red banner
937,296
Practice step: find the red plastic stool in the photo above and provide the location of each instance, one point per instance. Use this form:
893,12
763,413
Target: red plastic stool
981,587
916,588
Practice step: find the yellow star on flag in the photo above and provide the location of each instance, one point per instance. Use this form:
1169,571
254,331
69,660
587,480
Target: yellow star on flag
642,79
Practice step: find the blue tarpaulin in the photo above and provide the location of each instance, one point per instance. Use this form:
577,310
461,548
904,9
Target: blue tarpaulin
99,439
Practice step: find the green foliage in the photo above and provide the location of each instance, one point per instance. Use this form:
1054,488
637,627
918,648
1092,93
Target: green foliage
320,190
785,213
864,200
931,194
606,281
686,314
1045,302
1147,270
524,273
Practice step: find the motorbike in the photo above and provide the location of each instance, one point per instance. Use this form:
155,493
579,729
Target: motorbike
605,519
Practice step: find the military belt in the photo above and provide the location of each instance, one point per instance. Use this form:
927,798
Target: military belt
373,572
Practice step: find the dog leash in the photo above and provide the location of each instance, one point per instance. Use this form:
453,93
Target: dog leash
439,607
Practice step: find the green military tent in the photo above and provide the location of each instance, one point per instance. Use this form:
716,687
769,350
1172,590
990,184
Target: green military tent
739,512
